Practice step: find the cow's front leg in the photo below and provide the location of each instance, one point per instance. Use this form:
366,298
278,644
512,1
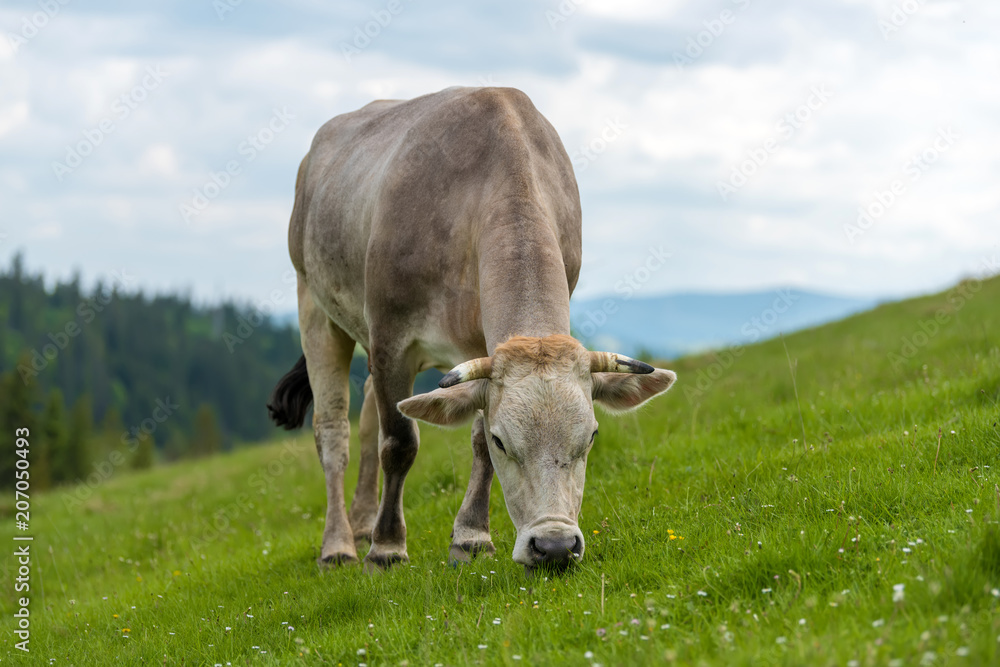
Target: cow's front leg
471,533
397,449
328,353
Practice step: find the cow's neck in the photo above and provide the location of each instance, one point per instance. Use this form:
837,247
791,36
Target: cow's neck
522,282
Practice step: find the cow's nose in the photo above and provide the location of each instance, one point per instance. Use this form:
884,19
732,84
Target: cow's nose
555,549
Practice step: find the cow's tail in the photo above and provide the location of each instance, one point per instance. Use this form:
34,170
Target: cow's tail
291,397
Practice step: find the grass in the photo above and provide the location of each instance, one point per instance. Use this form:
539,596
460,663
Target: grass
716,532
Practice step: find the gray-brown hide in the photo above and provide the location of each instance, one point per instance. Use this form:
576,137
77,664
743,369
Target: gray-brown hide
431,231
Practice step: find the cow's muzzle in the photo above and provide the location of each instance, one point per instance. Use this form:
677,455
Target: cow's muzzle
555,550
550,544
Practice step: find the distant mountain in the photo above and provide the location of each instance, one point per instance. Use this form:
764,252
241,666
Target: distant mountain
676,324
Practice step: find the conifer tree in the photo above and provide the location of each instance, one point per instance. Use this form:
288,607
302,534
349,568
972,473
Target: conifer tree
178,446
109,435
207,438
55,431
17,413
55,436
80,433
144,455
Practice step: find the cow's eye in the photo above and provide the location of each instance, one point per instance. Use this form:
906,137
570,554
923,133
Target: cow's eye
499,445
593,436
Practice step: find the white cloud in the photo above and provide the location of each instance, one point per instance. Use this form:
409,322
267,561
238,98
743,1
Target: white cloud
159,160
656,183
629,10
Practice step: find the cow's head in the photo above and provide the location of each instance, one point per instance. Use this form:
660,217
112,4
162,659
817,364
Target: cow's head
537,396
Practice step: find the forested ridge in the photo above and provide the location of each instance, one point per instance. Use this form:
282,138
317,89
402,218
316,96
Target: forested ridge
111,368
111,376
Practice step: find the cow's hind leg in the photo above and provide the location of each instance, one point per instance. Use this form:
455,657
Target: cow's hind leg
328,353
397,449
364,506
471,533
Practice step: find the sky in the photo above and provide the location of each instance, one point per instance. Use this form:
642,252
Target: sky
846,147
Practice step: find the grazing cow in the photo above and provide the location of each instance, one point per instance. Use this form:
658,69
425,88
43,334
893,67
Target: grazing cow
444,232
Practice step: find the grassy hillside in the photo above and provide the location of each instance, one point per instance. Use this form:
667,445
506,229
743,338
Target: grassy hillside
744,519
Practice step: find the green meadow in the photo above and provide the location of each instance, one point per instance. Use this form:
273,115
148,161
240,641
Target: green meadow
826,498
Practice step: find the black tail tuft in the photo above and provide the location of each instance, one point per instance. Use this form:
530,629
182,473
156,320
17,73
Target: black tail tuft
291,397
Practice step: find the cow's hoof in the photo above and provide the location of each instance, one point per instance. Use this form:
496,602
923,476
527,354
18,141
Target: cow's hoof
466,551
336,559
375,563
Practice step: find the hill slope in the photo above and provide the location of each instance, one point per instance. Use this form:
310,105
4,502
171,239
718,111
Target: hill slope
850,515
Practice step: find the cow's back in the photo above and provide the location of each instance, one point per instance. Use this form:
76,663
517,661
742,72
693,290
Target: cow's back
393,199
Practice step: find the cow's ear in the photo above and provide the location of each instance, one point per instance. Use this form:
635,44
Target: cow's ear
447,407
621,392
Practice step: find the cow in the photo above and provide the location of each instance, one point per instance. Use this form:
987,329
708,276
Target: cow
445,232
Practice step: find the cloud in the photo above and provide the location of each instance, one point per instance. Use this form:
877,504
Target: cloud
677,129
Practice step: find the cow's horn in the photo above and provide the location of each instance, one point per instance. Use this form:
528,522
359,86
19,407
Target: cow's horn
609,362
474,369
